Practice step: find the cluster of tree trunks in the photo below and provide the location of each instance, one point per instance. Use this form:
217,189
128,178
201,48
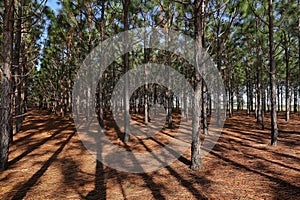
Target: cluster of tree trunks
14,73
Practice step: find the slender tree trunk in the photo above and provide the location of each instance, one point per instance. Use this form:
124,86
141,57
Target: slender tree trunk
17,68
268,99
6,78
263,109
274,127
251,94
258,77
287,91
101,89
278,98
169,95
196,142
231,101
204,108
248,94
295,98
238,100
258,97
298,75
281,97
146,86
204,86
126,4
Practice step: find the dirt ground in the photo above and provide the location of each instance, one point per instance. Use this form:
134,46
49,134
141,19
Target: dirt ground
48,161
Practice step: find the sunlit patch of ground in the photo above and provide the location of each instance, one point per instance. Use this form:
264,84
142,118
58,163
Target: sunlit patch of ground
48,161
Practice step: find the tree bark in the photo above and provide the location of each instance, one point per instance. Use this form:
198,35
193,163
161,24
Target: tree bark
263,109
126,4
204,87
17,66
248,91
6,79
295,98
287,87
274,128
196,130
146,86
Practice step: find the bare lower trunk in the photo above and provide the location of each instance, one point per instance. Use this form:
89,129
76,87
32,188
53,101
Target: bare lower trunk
204,108
196,130
274,128
263,109
287,92
126,69
5,117
295,99
196,142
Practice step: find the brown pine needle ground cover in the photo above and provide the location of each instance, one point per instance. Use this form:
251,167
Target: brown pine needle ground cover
48,161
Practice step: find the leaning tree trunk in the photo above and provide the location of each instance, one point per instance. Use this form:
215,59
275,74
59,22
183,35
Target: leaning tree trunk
6,78
274,128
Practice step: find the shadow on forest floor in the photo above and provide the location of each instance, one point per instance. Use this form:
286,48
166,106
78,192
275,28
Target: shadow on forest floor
48,161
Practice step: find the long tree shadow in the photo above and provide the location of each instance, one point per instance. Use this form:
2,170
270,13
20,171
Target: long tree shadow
238,140
223,148
295,190
185,183
99,191
22,191
100,184
32,147
45,122
154,187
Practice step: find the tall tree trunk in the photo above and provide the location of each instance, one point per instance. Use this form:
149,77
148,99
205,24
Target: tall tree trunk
101,92
196,142
6,78
258,86
251,94
238,99
274,127
258,77
268,99
126,4
287,87
204,86
296,106
204,108
17,68
258,94
263,109
146,86
248,92
295,98
281,97
278,98
231,100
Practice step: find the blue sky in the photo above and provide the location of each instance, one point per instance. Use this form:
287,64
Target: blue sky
53,4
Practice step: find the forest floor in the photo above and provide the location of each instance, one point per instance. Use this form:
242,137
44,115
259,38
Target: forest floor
48,161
